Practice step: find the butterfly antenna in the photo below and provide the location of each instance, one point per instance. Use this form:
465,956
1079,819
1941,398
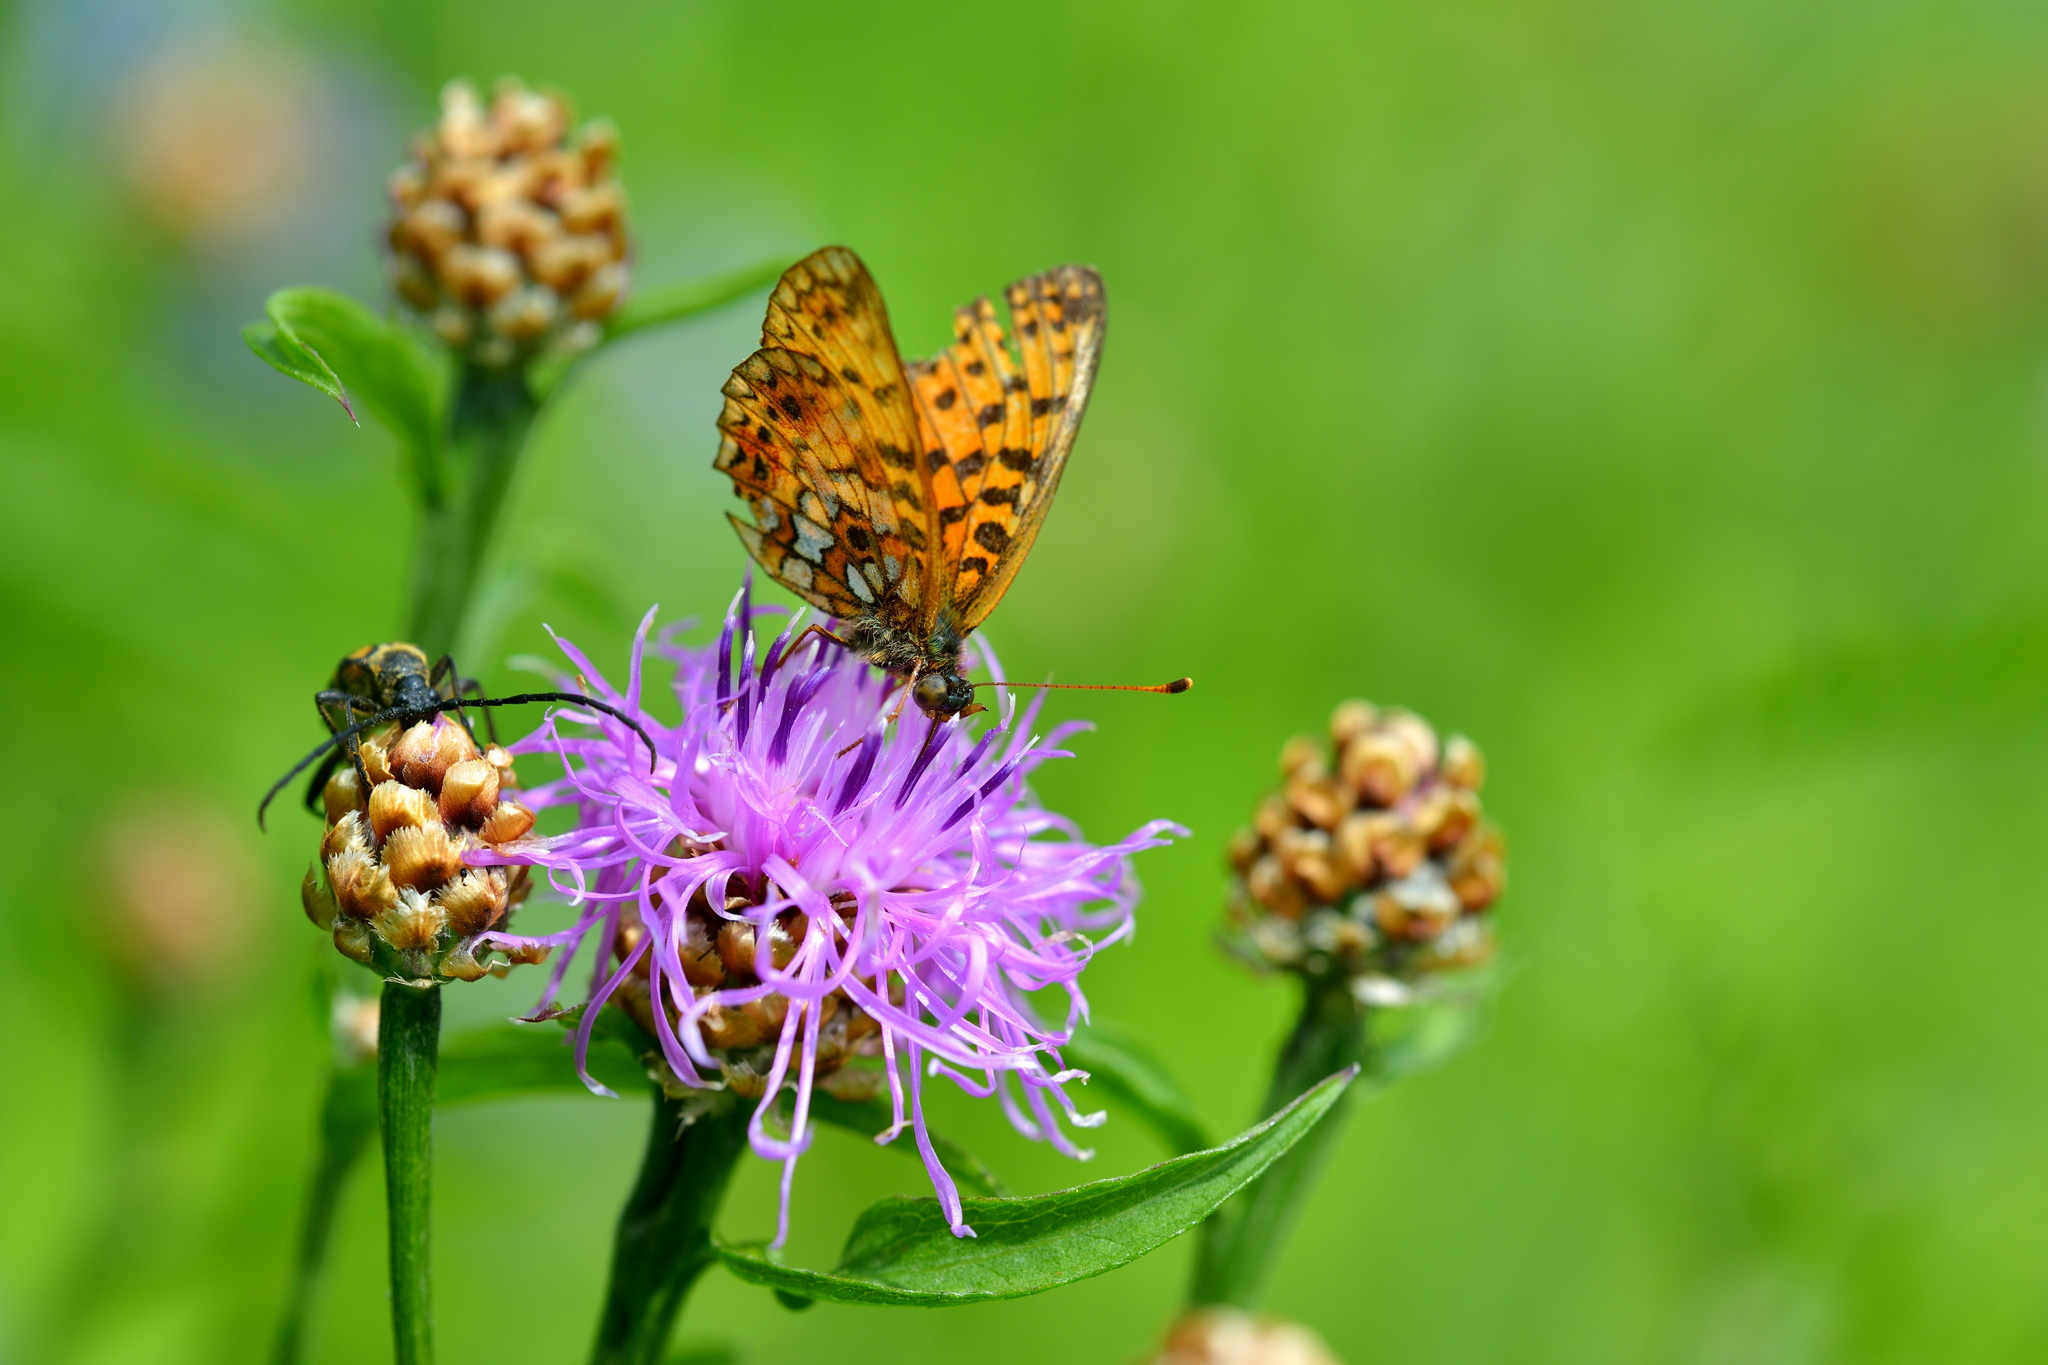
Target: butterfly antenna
1177,685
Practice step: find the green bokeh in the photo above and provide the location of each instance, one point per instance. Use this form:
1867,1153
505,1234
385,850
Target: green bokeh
1654,392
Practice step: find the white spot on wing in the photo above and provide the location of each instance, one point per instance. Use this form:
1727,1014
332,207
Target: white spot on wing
811,539
859,583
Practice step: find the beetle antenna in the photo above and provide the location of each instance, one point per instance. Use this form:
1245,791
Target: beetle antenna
338,737
575,699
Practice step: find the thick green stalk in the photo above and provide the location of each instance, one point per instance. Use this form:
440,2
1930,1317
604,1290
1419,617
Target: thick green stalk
408,1058
489,418
345,1127
1242,1240
663,1241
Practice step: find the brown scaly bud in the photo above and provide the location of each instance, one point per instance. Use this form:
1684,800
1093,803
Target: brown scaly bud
721,950
508,228
1226,1336
1374,862
393,882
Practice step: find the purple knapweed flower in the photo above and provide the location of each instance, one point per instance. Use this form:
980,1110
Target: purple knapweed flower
803,894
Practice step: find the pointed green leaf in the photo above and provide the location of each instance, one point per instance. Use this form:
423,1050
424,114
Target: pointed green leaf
1120,1066
683,299
873,1116
902,1252
340,347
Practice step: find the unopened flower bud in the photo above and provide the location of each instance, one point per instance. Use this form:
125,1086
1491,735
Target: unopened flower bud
508,821
508,232
1373,862
469,792
1464,765
343,793
317,898
393,881
1226,1336
398,805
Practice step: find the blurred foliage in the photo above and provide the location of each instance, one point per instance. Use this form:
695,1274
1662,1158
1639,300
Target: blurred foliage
1653,392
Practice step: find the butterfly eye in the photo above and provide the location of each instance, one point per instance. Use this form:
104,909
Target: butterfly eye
932,693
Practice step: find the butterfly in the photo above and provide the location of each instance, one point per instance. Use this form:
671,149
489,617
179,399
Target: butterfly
899,498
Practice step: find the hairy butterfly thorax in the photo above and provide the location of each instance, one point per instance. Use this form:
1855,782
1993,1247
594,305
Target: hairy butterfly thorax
901,499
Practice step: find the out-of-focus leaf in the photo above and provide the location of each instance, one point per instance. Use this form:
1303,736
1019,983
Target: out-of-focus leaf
683,299
500,1061
902,1252
1422,1037
1122,1066
337,345
872,1116
705,1353
528,1059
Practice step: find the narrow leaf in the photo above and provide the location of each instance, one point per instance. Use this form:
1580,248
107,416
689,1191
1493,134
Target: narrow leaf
1122,1067
873,1116
902,1252
669,303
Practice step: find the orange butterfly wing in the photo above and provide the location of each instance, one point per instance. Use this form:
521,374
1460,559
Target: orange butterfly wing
819,436
1003,424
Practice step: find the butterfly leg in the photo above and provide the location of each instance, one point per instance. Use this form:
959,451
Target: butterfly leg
894,715
909,686
807,632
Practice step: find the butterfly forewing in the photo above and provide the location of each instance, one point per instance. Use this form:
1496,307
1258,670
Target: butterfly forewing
819,436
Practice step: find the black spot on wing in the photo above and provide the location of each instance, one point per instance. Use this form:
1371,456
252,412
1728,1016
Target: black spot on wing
991,537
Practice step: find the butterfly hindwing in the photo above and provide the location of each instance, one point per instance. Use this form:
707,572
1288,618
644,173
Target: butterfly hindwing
1004,424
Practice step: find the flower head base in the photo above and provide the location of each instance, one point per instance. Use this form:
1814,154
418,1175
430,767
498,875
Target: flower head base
1372,862
803,896
1226,1336
507,235
391,882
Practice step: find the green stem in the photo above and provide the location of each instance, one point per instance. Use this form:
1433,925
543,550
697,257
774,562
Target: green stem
408,1057
664,1237
345,1128
489,419
1242,1240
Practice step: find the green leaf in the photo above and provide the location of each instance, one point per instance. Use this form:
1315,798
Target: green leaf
340,347
525,1059
505,1060
660,306
1120,1065
901,1251
873,1116
705,1353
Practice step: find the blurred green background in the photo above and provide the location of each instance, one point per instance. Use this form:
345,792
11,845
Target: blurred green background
1655,392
